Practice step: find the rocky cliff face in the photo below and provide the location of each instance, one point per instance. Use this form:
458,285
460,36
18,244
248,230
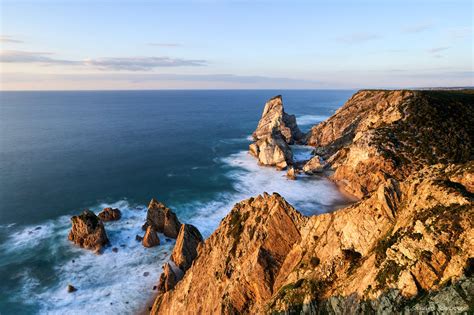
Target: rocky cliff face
275,131
405,246
381,134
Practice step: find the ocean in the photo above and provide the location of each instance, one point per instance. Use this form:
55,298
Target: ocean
62,152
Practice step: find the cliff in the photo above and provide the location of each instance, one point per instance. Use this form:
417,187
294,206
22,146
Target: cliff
391,134
405,246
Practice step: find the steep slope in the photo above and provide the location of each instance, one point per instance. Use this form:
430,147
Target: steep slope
382,134
407,245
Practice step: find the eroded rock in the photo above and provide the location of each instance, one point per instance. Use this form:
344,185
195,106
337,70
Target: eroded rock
88,231
168,279
162,219
185,249
275,131
110,214
275,119
313,166
151,238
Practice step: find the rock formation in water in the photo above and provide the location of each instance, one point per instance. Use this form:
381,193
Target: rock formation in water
151,238
185,249
406,246
162,219
275,119
291,173
275,131
110,214
88,231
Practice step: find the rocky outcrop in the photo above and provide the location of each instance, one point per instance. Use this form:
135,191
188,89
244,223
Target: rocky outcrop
162,219
272,150
168,278
185,250
110,214
405,246
379,134
275,119
150,239
313,166
291,173
88,231
275,131
237,266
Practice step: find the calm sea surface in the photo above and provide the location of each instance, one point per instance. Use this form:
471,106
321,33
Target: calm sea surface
61,152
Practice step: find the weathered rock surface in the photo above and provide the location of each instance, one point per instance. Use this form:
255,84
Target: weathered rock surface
275,119
405,246
313,166
88,231
169,278
110,214
151,238
291,173
272,151
185,250
236,266
162,219
275,131
379,134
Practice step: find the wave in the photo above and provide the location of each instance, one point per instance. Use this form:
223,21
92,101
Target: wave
110,283
121,282
307,120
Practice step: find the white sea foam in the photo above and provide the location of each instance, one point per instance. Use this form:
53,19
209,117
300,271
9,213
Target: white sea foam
302,153
307,120
110,283
114,283
310,195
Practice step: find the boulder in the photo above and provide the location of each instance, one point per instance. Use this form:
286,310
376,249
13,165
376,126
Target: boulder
110,214
272,150
151,238
291,173
169,278
313,166
274,118
185,249
88,231
162,219
71,288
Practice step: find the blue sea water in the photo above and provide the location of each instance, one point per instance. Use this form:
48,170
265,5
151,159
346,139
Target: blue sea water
61,152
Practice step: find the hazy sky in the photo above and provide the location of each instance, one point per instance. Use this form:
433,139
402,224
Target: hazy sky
117,44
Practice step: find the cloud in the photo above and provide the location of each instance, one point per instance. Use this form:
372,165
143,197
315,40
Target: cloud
124,63
165,44
437,49
141,63
460,32
357,38
17,56
417,28
9,39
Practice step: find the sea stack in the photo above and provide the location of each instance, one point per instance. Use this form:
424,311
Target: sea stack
88,231
110,214
162,219
276,130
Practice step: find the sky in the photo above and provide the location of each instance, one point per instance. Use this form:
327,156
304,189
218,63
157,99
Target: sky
145,44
